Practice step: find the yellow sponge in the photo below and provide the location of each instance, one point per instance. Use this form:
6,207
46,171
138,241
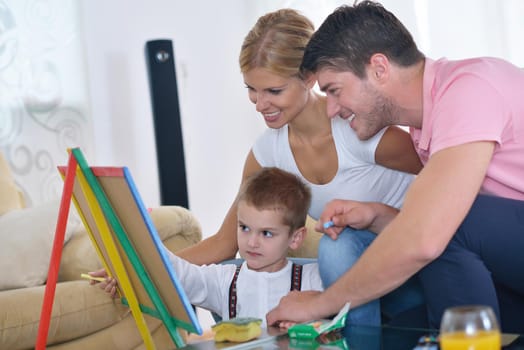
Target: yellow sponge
238,329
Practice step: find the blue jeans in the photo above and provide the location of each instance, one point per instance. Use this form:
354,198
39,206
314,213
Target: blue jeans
335,257
482,264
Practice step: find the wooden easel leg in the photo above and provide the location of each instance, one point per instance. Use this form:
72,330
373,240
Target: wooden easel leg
56,255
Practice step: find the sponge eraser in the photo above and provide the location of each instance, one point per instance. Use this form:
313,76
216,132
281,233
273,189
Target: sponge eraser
239,329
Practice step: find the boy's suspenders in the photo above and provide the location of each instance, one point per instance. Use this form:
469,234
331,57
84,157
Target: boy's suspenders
233,294
296,284
296,277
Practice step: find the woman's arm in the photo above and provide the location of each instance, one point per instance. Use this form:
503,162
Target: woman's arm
218,247
223,244
396,151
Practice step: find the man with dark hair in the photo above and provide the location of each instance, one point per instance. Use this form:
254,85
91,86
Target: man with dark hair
461,227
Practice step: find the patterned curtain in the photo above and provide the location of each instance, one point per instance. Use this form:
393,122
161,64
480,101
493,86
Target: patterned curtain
43,92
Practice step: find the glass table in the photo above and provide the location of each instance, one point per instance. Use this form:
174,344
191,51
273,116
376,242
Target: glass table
397,338
353,338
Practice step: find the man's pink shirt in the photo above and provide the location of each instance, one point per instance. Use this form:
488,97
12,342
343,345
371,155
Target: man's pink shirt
479,99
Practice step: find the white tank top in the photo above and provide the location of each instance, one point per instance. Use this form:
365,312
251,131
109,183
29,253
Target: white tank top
358,176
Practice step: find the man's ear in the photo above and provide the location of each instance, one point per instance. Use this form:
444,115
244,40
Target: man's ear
310,79
297,238
378,68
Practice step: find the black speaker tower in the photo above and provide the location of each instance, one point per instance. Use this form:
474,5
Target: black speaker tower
168,128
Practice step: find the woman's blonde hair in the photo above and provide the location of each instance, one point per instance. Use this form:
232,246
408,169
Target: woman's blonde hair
277,43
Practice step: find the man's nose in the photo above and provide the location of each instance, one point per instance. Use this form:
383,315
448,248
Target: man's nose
333,108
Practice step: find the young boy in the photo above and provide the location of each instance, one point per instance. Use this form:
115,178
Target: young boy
272,209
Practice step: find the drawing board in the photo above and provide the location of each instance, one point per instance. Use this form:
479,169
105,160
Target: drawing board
129,246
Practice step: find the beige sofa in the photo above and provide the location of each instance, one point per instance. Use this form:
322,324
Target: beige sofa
83,316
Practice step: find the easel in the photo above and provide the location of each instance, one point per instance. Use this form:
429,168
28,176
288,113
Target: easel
117,223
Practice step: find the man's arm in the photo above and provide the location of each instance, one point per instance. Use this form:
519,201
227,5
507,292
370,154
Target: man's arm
435,205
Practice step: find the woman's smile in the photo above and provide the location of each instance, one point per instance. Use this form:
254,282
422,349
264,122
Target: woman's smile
271,117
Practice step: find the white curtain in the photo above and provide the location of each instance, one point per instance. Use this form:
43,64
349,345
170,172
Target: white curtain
43,92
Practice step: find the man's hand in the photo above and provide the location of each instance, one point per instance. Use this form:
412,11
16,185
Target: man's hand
342,213
296,307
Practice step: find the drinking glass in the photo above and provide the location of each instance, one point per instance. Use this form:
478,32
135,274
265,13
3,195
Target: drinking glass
472,327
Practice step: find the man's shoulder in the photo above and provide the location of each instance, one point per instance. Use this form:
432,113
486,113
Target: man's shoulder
489,69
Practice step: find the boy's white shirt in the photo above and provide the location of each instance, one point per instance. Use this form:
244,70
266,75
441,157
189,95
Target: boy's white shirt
207,286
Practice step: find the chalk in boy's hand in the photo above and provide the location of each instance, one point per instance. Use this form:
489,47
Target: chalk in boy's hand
92,278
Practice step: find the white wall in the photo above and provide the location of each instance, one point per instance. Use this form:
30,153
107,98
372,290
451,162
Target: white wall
217,119
219,124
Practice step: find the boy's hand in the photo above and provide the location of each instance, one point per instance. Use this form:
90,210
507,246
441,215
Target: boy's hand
109,284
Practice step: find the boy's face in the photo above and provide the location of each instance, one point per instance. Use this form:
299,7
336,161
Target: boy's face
263,239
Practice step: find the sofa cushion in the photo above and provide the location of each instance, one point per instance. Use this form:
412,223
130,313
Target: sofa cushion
79,256
79,309
27,237
177,227
11,198
309,248
123,335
